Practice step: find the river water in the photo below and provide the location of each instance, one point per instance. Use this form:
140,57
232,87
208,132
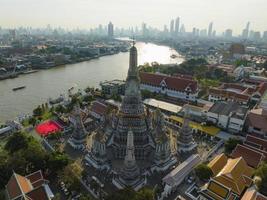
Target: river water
52,82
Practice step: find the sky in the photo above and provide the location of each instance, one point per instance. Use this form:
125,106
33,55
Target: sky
87,14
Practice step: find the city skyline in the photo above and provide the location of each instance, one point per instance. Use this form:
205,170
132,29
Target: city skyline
86,14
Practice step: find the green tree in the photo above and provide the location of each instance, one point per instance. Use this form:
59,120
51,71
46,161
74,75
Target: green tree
145,194
88,98
59,109
38,111
5,171
16,142
71,175
262,173
85,197
57,161
32,121
230,145
146,94
203,172
124,194
2,195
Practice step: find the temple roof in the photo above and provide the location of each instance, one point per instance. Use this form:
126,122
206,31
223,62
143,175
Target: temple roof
31,187
234,174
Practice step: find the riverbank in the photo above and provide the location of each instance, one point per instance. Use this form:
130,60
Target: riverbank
51,83
13,75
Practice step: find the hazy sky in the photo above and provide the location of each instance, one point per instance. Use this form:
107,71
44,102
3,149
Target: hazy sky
232,14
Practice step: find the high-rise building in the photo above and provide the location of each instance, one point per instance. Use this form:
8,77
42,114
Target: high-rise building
172,27
195,32
177,25
203,33
228,33
12,33
210,31
256,36
165,29
144,29
245,32
264,37
182,30
110,30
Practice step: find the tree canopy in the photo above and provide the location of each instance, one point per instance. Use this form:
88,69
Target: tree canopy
130,194
230,145
262,173
24,155
203,172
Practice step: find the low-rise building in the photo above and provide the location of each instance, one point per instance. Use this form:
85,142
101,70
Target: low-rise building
252,157
230,179
165,107
32,186
98,110
200,128
252,194
172,180
114,87
228,115
238,93
257,122
173,86
5,131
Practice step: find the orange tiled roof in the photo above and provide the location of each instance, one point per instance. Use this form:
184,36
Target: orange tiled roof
257,140
17,186
218,163
29,187
38,194
229,94
99,107
252,157
252,194
234,174
173,82
255,119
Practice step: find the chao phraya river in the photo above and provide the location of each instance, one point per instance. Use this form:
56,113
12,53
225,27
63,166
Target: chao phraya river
44,84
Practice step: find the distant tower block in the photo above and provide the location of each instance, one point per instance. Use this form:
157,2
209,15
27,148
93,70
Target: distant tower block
110,30
185,140
78,138
130,175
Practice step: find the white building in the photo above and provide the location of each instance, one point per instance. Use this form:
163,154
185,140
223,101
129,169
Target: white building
176,176
228,115
181,87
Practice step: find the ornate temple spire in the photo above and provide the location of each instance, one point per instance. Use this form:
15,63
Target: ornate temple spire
133,71
78,139
129,160
185,139
132,101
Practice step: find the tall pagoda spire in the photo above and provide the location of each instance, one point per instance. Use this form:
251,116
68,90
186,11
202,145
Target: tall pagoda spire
129,160
78,139
185,139
133,71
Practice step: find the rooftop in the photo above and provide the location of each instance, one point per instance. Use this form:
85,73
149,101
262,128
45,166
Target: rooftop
226,108
172,82
235,174
163,105
252,157
211,130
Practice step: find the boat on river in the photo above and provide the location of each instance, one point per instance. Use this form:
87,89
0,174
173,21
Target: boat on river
19,88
